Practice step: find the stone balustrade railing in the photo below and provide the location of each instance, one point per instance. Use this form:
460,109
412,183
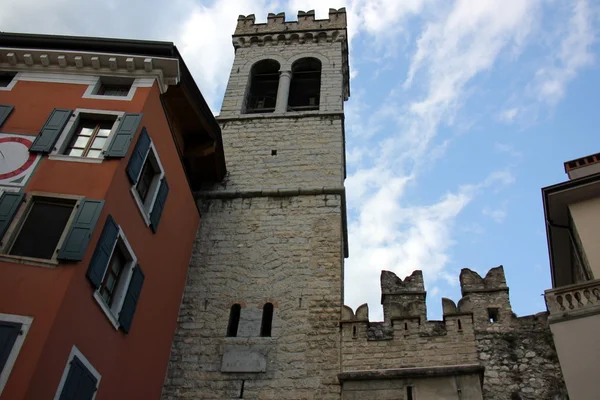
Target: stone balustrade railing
571,298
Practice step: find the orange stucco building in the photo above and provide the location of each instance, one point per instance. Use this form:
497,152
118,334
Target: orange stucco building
102,143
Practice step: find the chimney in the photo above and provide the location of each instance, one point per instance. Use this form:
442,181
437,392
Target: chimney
584,166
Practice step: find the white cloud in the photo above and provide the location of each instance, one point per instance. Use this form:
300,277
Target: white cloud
387,233
509,115
204,40
497,214
507,149
574,53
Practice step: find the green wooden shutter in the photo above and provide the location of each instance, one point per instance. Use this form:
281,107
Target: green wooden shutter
45,140
159,204
131,299
122,138
9,331
5,109
103,251
136,162
9,204
81,229
80,384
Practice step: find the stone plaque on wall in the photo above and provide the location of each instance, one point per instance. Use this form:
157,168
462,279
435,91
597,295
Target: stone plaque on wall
243,359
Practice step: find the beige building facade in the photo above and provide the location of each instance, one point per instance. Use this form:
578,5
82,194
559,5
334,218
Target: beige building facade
572,212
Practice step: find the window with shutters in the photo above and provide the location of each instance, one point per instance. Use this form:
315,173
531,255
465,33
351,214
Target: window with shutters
40,226
90,137
147,176
43,228
87,135
116,275
80,380
13,331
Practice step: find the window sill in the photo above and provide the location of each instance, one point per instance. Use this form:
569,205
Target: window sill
129,97
38,262
64,157
107,311
145,214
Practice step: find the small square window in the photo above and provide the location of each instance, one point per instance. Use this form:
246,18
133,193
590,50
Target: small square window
6,78
110,86
90,136
493,314
42,228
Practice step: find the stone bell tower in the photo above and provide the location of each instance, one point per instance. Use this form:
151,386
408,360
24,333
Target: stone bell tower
261,311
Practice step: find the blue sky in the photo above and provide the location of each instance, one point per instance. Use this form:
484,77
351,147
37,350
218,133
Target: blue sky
460,112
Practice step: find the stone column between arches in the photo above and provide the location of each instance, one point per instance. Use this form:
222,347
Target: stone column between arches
283,91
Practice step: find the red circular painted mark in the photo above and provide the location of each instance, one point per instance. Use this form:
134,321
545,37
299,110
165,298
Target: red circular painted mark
28,162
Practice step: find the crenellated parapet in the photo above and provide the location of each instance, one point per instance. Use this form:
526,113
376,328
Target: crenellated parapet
276,23
278,31
484,306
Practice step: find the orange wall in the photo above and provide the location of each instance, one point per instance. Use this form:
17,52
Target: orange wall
66,314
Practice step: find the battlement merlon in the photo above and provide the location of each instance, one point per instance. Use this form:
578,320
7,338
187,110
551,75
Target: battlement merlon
472,282
276,23
391,284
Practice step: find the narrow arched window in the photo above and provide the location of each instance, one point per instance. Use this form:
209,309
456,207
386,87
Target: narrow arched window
305,88
264,82
267,320
234,320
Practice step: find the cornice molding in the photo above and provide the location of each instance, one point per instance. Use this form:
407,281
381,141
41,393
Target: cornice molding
165,70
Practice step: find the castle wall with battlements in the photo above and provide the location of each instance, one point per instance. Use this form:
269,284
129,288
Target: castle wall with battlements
517,354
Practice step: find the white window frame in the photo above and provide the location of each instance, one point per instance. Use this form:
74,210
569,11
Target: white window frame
112,313
63,379
14,229
147,206
14,352
12,83
71,128
92,90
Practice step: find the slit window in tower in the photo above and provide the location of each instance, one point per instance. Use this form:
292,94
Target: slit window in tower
409,393
234,320
493,314
264,82
305,87
267,320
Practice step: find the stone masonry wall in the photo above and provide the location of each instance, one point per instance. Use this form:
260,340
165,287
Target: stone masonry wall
520,361
286,251
309,153
410,344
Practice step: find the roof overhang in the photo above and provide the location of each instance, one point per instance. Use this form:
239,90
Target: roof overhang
556,213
